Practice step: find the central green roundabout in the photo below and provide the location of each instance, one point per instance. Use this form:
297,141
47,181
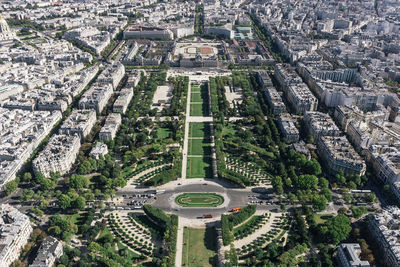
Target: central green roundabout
199,200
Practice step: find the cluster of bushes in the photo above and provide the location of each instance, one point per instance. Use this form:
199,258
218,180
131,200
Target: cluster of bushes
247,172
229,221
146,166
170,225
85,227
250,227
272,235
178,101
140,245
154,228
157,171
170,174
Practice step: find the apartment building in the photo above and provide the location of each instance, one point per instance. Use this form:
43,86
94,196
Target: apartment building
384,227
320,124
79,122
338,154
50,250
122,102
348,255
96,97
58,156
15,229
110,128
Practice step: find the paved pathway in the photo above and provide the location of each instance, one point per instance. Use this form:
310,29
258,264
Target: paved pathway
179,243
186,137
200,119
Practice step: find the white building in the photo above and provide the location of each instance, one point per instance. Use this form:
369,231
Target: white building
15,229
349,256
384,227
110,128
58,156
79,122
338,154
123,100
50,250
96,97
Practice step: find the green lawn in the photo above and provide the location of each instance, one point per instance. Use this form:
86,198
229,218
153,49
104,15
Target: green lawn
199,110
199,200
196,97
163,133
321,218
130,255
195,88
199,247
199,167
73,218
198,147
199,129
104,232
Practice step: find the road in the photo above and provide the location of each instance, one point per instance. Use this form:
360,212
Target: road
234,197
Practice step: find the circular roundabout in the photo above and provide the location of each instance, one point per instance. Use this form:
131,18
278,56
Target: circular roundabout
199,200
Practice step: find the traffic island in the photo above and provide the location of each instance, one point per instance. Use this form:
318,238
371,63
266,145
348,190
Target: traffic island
199,200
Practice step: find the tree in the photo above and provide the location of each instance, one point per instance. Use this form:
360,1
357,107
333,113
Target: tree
312,167
37,212
85,167
79,181
27,195
64,202
307,181
277,185
54,230
319,202
336,229
79,203
11,187
47,184
27,177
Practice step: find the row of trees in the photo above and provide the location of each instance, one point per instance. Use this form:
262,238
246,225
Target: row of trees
179,96
229,221
170,225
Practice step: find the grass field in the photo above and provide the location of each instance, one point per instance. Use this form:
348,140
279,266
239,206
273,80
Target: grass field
195,88
321,218
196,97
199,247
199,167
163,133
130,255
199,129
199,200
199,110
199,147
